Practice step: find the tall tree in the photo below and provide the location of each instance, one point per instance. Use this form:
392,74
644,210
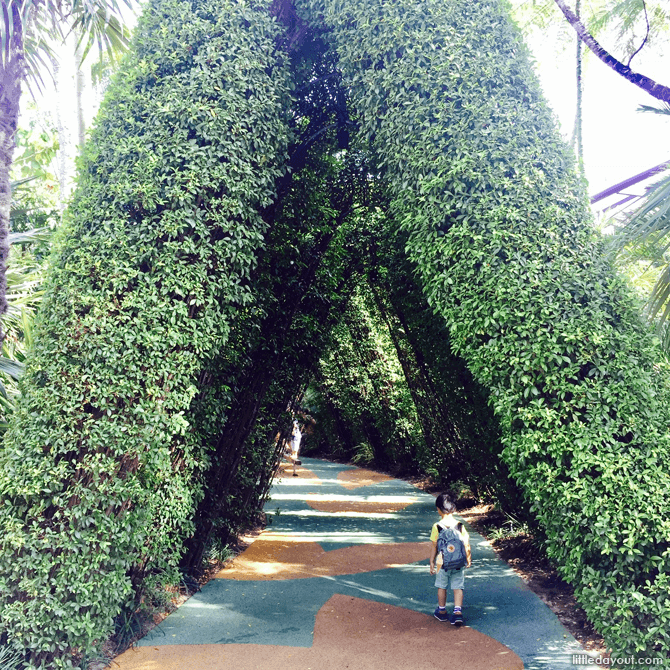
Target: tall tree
26,27
577,139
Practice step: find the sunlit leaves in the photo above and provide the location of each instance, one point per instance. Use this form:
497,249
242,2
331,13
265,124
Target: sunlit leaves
500,231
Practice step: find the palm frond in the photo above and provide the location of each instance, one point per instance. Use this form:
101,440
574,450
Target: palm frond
113,40
97,22
30,236
18,183
22,307
16,16
652,217
665,109
39,55
11,368
649,226
32,26
24,280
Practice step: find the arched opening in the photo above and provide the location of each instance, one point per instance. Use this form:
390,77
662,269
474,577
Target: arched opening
263,182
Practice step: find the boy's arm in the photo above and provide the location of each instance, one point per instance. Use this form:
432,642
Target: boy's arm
433,556
468,552
466,541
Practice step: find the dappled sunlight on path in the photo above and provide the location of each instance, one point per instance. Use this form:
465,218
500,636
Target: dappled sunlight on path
287,557
286,470
353,479
340,579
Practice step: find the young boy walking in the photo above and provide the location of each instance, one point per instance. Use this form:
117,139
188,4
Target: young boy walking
453,577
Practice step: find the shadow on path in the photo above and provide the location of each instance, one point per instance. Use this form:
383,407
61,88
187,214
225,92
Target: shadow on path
340,579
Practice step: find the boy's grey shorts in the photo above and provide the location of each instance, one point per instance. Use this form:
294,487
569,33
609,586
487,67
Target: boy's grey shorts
456,577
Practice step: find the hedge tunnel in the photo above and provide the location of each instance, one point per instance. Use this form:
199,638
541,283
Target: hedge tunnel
269,185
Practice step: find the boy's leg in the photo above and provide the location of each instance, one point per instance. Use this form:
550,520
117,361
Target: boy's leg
441,612
458,584
442,584
456,619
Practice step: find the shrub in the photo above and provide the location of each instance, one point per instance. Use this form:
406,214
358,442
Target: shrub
499,228
96,469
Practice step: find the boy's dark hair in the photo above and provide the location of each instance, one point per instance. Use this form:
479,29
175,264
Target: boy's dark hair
443,502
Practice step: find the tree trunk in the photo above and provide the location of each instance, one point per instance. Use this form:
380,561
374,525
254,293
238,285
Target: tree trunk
63,139
80,84
577,139
254,384
11,73
414,377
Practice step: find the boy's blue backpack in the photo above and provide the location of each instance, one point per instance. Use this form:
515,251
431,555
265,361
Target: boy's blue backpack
450,544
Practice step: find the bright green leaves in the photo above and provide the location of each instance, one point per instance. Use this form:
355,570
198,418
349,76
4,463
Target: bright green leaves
499,229
163,235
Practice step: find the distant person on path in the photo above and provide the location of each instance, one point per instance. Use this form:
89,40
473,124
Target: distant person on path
450,539
296,436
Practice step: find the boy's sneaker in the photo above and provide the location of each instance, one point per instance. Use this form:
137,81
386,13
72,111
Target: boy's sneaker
441,615
456,619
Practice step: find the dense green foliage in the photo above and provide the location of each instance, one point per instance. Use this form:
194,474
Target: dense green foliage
461,432
276,340
97,467
364,409
372,197
389,392
499,229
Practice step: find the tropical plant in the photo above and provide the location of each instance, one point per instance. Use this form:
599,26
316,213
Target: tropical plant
647,228
25,274
25,31
24,278
10,659
32,219
631,27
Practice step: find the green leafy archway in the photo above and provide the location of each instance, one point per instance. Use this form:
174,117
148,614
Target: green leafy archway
252,169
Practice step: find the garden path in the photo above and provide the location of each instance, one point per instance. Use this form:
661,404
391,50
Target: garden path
340,579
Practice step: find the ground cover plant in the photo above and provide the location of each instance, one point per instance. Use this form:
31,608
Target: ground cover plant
279,193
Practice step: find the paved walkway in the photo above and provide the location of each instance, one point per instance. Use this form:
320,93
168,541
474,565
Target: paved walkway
340,579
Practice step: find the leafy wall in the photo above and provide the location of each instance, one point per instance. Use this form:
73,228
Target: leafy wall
363,407
97,473
499,228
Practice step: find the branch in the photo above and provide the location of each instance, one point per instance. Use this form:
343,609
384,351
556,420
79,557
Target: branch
646,37
654,89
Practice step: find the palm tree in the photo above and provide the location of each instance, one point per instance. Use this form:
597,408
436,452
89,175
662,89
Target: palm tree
649,224
27,26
